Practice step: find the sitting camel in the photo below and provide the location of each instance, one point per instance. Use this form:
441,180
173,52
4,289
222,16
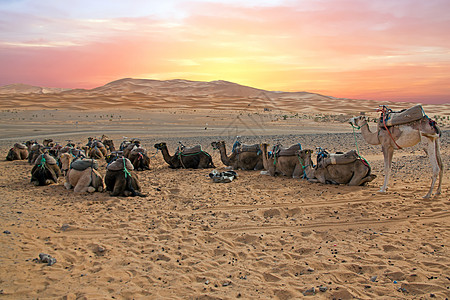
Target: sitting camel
347,168
18,152
187,158
35,151
282,161
97,150
45,171
399,136
81,174
245,157
121,180
139,159
135,144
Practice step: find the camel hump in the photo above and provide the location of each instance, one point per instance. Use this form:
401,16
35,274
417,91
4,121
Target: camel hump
120,164
405,116
20,146
98,144
248,148
292,150
191,150
45,158
138,150
83,164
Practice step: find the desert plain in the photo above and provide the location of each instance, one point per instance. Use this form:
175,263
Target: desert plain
257,237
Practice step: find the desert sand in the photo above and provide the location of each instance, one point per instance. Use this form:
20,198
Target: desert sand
255,237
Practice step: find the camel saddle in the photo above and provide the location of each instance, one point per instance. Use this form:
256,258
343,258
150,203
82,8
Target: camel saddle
278,150
20,146
392,118
240,148
325,159
120,164
190,150
47,158
83,164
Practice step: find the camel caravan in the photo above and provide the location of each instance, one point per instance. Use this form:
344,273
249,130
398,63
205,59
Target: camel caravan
79,163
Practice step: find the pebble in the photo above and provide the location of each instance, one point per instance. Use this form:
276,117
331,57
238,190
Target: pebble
7,232
310,292
373,278
45,258
323,289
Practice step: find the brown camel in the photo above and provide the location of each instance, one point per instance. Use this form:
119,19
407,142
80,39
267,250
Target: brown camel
121,180
245,157
139,159
18,152
401,136
81,174
284,161
45,171
347,168
189,158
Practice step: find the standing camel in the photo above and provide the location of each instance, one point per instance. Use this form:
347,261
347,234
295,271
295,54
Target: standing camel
402,136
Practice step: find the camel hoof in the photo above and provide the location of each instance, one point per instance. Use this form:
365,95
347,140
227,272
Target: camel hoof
91,189
264,172
35,183
100,189
67,185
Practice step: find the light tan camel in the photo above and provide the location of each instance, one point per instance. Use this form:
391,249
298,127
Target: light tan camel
405,135
287,165
245,157
350,170
87,180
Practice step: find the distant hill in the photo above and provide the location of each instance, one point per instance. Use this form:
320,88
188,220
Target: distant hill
175,87
19,88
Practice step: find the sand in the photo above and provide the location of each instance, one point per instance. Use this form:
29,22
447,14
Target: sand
256,237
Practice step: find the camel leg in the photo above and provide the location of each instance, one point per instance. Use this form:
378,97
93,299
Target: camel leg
441,166
388,153
83,184
432,155
298,170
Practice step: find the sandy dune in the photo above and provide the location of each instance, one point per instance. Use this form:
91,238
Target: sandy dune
256,237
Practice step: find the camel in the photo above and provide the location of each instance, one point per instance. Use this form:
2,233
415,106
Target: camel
402,136
130,147
81,175
121,180
286,162
139,159
35,151
18,152
187,158
97,150
45,171
243,157
348,169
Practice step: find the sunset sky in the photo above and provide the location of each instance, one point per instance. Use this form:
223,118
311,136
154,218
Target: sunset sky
365,49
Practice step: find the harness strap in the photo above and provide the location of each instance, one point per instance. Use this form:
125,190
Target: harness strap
125,169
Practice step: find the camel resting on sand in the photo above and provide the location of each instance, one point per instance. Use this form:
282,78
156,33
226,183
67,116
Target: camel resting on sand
347,168
187,158
82,175
18,152
45,171
283,162
245,157
402,136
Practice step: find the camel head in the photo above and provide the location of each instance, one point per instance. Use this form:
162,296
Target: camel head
65,160
160,146
305,156
217,145
358,121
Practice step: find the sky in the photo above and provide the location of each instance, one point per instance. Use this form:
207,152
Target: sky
389,50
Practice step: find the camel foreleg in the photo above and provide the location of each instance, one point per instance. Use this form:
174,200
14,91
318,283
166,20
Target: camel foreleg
388,153
436,165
